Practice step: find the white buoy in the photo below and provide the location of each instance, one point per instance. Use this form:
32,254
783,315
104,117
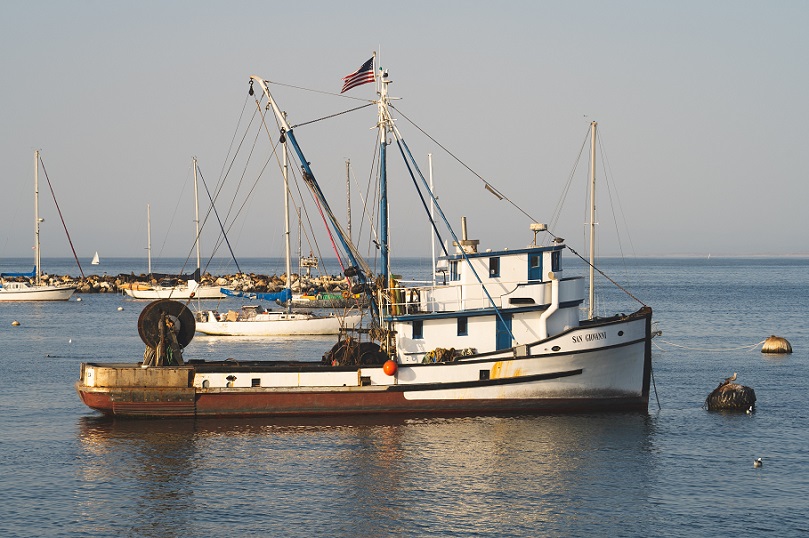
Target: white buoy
120,308
78,299
776,344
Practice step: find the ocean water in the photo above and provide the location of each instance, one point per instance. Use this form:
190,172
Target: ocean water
677,471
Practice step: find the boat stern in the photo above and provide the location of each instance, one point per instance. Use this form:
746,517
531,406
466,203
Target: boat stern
131,390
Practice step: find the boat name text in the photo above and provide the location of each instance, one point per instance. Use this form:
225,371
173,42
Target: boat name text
589,337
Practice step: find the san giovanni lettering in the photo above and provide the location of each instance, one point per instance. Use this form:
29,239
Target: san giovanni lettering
589,337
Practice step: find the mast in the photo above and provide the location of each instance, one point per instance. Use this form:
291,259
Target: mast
196,216
149,236
593,126
382,104
37,220
286,223
432,210
348,195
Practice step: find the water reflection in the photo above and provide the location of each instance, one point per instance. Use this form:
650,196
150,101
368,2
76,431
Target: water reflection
369,474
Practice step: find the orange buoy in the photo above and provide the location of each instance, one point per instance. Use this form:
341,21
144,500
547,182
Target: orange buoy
390,367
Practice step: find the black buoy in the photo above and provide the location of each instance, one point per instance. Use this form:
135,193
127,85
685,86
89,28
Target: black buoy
729,396
776,344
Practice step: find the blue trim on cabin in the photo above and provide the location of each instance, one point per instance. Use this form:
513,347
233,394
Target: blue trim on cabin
480,312
502,253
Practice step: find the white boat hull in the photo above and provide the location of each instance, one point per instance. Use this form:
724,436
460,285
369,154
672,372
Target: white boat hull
278,324
36,293
179,293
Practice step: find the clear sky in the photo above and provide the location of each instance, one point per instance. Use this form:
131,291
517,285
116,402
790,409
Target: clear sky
701,108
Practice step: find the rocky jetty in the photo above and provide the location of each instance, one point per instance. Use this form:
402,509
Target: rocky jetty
246,282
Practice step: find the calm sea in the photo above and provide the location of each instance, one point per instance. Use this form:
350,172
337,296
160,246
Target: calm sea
678,471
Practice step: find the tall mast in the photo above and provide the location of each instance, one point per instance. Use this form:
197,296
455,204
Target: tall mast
383,176
286,221
37,220
593,126
432,211
196,214
149,237
348,196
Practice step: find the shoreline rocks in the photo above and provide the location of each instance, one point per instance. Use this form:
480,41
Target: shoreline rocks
245,282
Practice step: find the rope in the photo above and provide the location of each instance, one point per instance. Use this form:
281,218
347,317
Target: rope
746,347
657,396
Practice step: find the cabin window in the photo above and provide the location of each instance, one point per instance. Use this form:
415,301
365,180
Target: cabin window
463,326
556,261
494,267
453,271
418,330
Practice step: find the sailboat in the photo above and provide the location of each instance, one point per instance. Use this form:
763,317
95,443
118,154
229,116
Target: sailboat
503,334
25,291
170,288
95,260
254,320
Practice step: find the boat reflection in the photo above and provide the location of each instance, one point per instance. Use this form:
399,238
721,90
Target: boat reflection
514,469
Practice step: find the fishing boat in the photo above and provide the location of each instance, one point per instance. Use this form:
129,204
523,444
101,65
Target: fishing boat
504,334
174,288
26,290
254,320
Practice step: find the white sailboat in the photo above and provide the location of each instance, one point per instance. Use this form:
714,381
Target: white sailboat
95,260
255,321
26,291
170,288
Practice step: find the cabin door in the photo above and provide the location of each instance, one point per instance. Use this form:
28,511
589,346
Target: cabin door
534,267
503,333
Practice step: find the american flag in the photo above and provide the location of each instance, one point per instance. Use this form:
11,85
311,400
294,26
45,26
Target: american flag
363,75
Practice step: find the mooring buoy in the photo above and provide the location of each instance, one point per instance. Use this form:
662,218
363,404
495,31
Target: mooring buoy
776,344
730,396
15,323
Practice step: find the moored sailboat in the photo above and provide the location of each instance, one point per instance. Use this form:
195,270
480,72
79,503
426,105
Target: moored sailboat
172,288
503,334
36,291
257,321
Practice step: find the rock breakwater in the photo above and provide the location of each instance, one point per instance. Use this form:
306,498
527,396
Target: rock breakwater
245,282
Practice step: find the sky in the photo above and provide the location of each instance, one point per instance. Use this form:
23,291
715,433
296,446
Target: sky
701,108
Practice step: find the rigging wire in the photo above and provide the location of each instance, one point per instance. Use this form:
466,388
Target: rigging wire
330,116
488,186
602,273
59,210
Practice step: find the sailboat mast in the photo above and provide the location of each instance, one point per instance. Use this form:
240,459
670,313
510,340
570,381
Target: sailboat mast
286,221
432,210
593,126
37,220
196,215
149,237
